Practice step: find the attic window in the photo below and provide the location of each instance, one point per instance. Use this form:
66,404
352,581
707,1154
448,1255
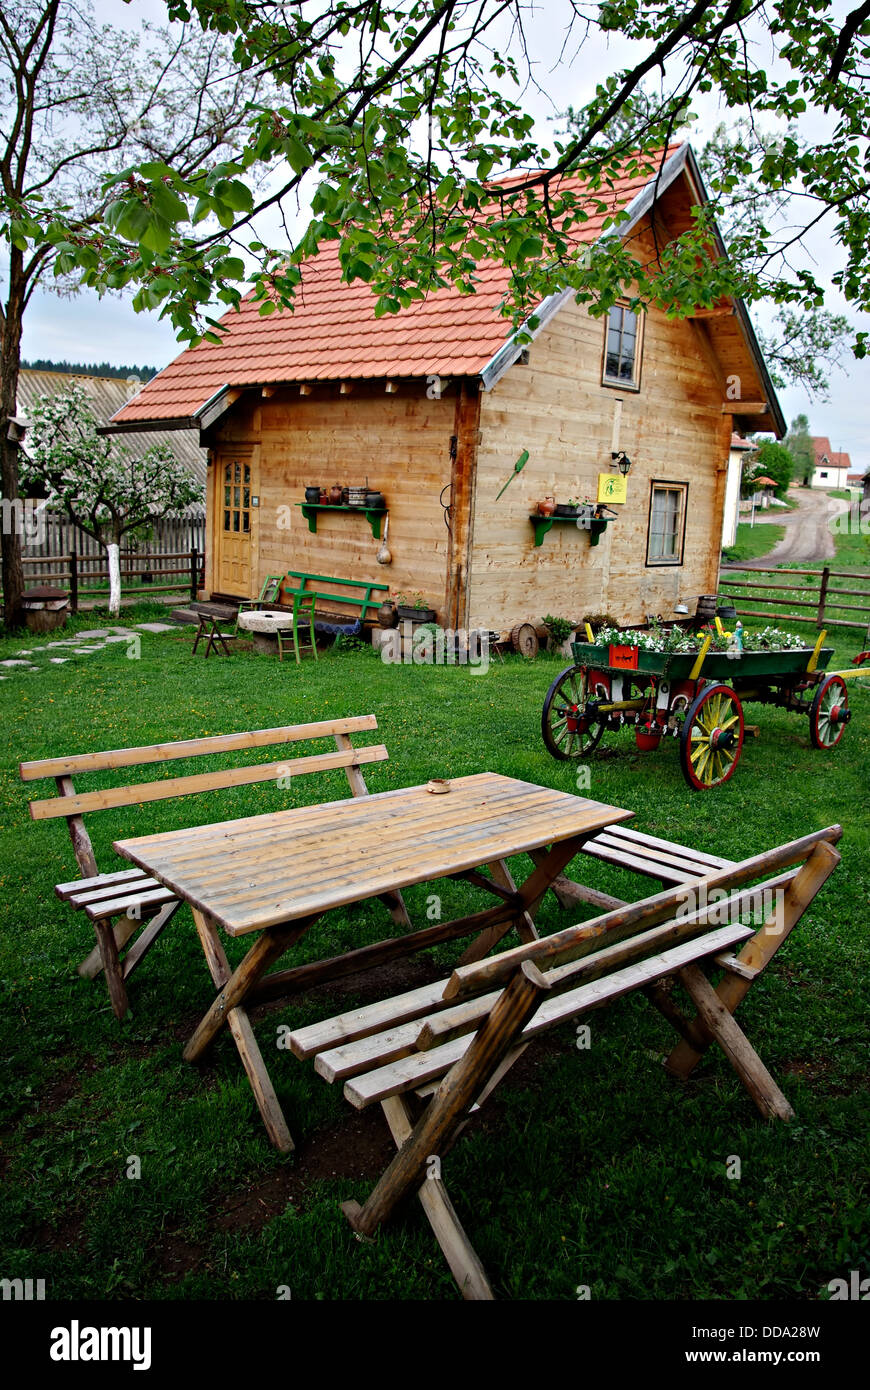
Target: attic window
622,348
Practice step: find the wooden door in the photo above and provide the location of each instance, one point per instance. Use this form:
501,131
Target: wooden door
235,516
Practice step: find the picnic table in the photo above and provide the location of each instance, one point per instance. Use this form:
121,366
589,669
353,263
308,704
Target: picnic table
276,874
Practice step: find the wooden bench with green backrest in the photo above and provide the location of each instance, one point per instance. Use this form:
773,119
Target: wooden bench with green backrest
130,895
324,586
431,1057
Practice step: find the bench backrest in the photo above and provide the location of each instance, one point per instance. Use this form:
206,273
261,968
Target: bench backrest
666,916
73,805
322,586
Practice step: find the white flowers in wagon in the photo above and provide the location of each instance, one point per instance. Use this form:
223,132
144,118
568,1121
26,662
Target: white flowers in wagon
674,639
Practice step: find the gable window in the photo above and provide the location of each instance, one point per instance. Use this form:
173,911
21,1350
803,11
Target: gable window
622,348
667,523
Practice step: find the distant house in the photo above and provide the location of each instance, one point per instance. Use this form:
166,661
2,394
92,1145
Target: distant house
832,468
436,406
107,396
738,452
856,480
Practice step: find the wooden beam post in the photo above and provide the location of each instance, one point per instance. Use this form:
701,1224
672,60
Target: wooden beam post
736,1046
758,952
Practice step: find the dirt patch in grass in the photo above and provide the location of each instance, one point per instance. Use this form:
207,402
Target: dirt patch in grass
822,1074
358,1147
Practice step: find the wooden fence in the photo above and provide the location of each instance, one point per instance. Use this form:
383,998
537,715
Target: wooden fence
138,570
823,599
60,537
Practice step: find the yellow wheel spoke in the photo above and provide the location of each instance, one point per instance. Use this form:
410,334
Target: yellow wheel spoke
703,764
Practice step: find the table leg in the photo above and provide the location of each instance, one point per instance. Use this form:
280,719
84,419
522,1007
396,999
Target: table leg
243,1035
523,921
271,944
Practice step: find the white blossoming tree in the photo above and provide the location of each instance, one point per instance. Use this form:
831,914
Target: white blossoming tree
100,483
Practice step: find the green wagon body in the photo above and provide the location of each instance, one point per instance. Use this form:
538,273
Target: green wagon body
717,666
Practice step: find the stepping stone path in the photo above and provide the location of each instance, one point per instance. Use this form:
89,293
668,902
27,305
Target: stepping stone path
84,643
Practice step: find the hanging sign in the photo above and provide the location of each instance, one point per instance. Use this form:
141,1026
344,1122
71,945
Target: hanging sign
612,487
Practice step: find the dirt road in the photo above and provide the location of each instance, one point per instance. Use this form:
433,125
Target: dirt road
807,536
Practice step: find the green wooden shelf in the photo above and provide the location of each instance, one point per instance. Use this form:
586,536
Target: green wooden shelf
542,525
373,515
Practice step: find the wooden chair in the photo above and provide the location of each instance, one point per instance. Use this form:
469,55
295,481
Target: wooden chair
432,1056
302,616
217,640
129,897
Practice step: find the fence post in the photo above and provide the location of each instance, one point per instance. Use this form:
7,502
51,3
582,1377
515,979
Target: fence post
823,593
73,582
194,573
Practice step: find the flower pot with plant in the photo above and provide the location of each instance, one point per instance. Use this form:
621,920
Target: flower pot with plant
560,633
412,608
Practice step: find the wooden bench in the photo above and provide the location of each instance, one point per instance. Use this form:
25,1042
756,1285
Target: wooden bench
130,895
432,1056
324,587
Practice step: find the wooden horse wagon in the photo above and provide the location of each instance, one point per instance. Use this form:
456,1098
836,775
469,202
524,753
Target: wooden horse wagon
696,697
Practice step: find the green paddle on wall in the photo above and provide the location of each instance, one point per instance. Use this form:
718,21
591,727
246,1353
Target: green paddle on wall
518,468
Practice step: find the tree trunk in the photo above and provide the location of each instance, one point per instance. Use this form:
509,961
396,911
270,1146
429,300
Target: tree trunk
114,552
10,360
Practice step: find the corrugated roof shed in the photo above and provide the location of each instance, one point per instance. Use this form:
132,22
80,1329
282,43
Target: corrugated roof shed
108,395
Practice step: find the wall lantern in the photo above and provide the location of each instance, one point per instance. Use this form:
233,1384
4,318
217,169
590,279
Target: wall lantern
622,461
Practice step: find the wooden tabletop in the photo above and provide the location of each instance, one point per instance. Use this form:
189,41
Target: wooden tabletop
253,873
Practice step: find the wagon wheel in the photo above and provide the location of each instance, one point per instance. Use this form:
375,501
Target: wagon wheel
829,713
711,737
566,732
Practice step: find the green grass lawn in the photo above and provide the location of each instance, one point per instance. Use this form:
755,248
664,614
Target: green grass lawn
753,541
591,1167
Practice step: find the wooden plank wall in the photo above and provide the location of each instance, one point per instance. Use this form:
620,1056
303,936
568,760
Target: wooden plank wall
400,442
672,429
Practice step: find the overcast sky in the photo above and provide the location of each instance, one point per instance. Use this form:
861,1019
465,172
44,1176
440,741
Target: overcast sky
87,329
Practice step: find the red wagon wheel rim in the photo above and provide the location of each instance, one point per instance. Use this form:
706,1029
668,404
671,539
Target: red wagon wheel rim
827,724
712,738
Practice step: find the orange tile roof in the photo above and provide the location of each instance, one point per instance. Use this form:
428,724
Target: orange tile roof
332,333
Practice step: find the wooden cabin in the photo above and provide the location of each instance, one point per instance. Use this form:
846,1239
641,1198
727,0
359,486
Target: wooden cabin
435,406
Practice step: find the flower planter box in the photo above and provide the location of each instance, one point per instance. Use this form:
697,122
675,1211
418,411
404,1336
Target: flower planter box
416,615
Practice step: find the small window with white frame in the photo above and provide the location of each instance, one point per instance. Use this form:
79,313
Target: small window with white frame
622,348
667,523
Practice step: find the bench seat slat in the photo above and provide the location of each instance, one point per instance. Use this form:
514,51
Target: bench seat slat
416,1070
82,885
359,1023
115,907
111,891
653,865
640,837
676,858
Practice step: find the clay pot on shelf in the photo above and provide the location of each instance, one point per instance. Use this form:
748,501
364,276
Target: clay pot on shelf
376,501
312,494
335,495
546,506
